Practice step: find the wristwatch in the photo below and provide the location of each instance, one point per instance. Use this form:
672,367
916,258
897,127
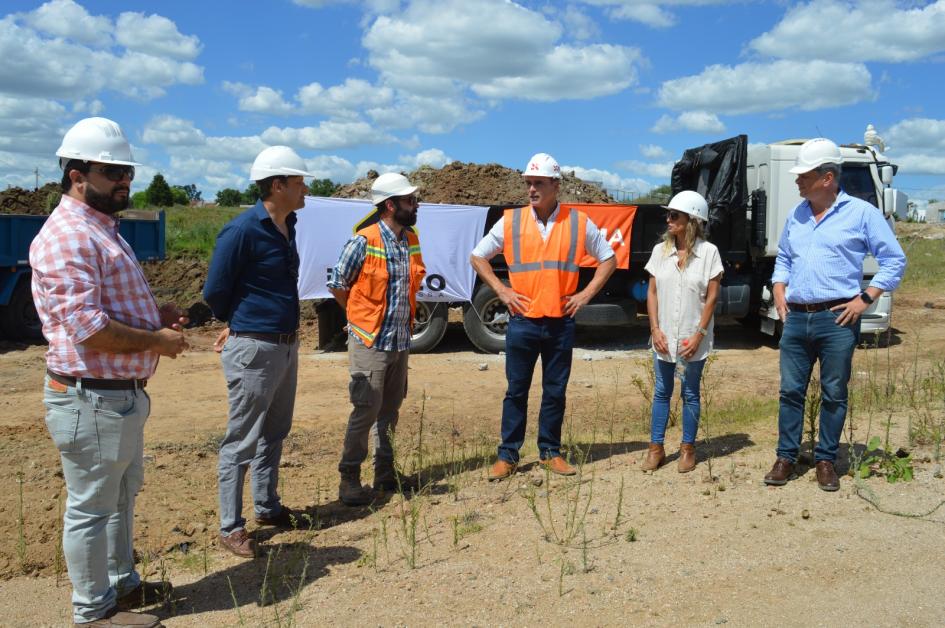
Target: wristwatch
703,331
867,299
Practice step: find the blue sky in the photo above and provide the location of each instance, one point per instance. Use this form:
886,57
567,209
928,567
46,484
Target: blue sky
614,89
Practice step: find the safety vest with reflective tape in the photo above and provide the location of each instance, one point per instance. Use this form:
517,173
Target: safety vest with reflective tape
546,271
367,300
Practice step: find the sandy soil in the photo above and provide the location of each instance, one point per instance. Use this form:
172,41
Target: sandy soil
711,547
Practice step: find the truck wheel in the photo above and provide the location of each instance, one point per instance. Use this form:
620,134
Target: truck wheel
19,318
487,332
429,326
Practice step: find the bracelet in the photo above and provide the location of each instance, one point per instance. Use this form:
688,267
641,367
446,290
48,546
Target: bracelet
703,331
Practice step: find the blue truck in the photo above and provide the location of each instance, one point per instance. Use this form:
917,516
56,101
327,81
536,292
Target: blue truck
143,230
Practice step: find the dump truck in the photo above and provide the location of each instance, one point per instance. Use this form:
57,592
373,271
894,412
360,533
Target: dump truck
143,230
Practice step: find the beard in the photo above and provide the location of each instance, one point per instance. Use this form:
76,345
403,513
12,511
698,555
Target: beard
405,217
108,204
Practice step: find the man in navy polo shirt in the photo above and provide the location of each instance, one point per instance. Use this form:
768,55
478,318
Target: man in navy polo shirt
252,285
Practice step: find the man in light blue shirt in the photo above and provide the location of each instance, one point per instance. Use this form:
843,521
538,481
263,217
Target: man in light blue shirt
816,285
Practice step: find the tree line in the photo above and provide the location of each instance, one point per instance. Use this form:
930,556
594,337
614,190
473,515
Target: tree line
160,194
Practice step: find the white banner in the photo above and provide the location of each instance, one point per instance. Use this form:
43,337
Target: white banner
448,234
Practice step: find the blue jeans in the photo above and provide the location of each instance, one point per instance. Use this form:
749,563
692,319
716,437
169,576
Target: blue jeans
525,340
807,338
663,392
261,381
100,437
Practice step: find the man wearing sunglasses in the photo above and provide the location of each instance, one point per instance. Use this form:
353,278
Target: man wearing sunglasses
105,335
816,289
376,281
252,285
542,244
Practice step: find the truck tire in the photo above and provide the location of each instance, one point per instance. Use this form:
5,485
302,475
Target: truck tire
19,319
487,332
429,326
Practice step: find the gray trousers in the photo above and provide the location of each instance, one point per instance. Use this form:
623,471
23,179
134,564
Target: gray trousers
377,389
100,437
260,379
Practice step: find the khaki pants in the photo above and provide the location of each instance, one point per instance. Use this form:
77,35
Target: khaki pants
377,388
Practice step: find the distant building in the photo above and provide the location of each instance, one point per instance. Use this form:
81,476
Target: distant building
935,212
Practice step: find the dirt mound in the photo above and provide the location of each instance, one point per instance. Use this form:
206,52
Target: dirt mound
477,184
33,202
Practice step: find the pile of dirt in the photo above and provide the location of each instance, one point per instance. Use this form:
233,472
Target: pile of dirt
33,202
478,184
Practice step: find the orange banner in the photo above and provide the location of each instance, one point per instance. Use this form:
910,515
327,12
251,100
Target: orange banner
616,223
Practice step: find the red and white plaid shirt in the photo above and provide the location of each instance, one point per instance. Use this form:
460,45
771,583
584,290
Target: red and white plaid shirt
85,274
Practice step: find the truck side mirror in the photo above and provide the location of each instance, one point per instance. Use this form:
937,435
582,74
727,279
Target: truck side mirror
886,174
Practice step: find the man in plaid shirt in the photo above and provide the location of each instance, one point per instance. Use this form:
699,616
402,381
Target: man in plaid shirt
376,281
105,335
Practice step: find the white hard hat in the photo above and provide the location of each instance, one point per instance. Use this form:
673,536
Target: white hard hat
96,139
815,153
542,165
389,185
689,202
278,161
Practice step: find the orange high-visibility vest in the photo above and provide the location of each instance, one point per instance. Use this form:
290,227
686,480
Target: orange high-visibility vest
544,271
367,300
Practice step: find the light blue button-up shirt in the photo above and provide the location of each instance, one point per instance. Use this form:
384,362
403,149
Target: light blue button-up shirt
823,261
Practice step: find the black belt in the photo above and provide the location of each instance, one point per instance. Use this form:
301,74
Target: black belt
816,307
102,384
279,339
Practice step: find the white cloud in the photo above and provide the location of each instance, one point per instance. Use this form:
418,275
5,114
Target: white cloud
31,126
426,113
652,151
649,12
342,100
775,86
917,145
66,19
433,157
695,121
329,134
172,131
155,35
659,170
265,100
878,30
35,65
578,24
338,169
620,187
917,163
92,108
435,48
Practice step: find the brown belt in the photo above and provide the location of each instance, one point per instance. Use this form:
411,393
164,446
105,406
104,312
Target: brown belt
816,307
102,384
279,339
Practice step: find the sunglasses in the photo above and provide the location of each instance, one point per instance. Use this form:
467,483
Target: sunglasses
412,199
115,173
673,214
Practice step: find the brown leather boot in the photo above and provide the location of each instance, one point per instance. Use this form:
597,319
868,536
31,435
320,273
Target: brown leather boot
558,465
780,473
351,492
501,470
687,457
654,457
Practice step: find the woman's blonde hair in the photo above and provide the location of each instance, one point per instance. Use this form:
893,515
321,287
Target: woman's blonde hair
694,232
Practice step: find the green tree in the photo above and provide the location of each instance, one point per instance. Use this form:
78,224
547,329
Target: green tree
251,194
228,197
322,187
180,195
159,192
139,200
193,194
659,194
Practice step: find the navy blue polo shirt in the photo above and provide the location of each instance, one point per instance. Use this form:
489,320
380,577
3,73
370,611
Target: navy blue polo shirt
253,279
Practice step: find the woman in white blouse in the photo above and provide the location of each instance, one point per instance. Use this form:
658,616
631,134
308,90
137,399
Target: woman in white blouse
685,275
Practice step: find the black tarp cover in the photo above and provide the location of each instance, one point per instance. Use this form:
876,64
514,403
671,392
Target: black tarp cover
717,172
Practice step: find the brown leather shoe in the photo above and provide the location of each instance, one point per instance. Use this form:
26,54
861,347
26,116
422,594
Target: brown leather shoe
286,518
121,619
501,470
146,594
654,457
827,478
780,473
687,458
351,492
240,543
558,465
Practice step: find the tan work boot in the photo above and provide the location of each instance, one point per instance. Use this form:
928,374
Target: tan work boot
501,470
350,491
654,457
687,457
558,465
